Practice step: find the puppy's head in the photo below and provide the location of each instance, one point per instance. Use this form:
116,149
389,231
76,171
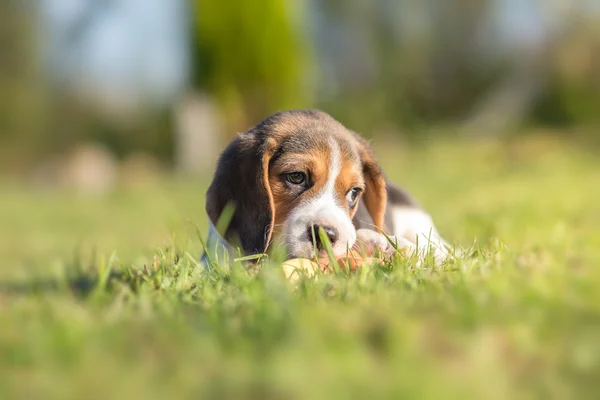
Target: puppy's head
296,173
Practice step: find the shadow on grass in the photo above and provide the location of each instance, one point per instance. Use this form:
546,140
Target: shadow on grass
78,285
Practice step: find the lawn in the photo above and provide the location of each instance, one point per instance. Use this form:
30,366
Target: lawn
102,297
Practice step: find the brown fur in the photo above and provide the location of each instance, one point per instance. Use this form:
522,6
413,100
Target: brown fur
350,176
375,194
284,199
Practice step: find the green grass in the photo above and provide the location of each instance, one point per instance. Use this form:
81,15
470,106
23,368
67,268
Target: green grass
103,297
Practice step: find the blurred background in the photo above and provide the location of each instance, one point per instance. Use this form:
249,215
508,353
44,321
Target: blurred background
112,115
94,92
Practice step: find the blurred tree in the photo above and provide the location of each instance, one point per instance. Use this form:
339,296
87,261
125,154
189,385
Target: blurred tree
488,63
573,87
22,93
421,61
98,94
252,57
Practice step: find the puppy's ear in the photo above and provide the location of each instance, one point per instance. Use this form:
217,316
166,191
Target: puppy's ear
375,195
241,179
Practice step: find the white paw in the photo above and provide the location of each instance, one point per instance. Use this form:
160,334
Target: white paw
436,246
371,242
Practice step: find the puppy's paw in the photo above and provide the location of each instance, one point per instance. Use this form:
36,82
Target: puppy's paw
372,242
437,247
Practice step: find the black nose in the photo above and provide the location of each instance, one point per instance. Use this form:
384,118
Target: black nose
331,233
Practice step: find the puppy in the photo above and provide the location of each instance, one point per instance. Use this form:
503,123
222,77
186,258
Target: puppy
300,172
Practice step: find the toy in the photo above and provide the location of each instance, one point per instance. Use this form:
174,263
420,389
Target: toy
296,267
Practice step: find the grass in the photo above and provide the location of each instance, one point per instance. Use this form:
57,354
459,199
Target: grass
103,297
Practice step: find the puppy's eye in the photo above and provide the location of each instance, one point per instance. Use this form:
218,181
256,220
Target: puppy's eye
352,196
296,178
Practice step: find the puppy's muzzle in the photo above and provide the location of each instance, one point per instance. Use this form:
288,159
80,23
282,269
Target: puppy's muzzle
313,232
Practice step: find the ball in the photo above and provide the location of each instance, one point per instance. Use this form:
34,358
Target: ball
295,268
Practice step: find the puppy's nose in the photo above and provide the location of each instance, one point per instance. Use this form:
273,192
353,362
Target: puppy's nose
330,231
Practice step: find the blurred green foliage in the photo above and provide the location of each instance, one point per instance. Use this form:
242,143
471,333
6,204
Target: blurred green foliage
22,103
252,56
573,85
423,64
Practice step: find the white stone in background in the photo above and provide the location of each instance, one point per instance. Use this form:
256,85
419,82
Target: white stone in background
91,169
88,168
197,131
140,169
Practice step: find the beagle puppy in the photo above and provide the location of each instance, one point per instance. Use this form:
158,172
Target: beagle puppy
301,171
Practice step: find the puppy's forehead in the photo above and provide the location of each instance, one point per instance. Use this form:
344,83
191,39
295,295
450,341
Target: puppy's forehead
306,132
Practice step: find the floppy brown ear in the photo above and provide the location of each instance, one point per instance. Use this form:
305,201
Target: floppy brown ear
375,194
241,179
